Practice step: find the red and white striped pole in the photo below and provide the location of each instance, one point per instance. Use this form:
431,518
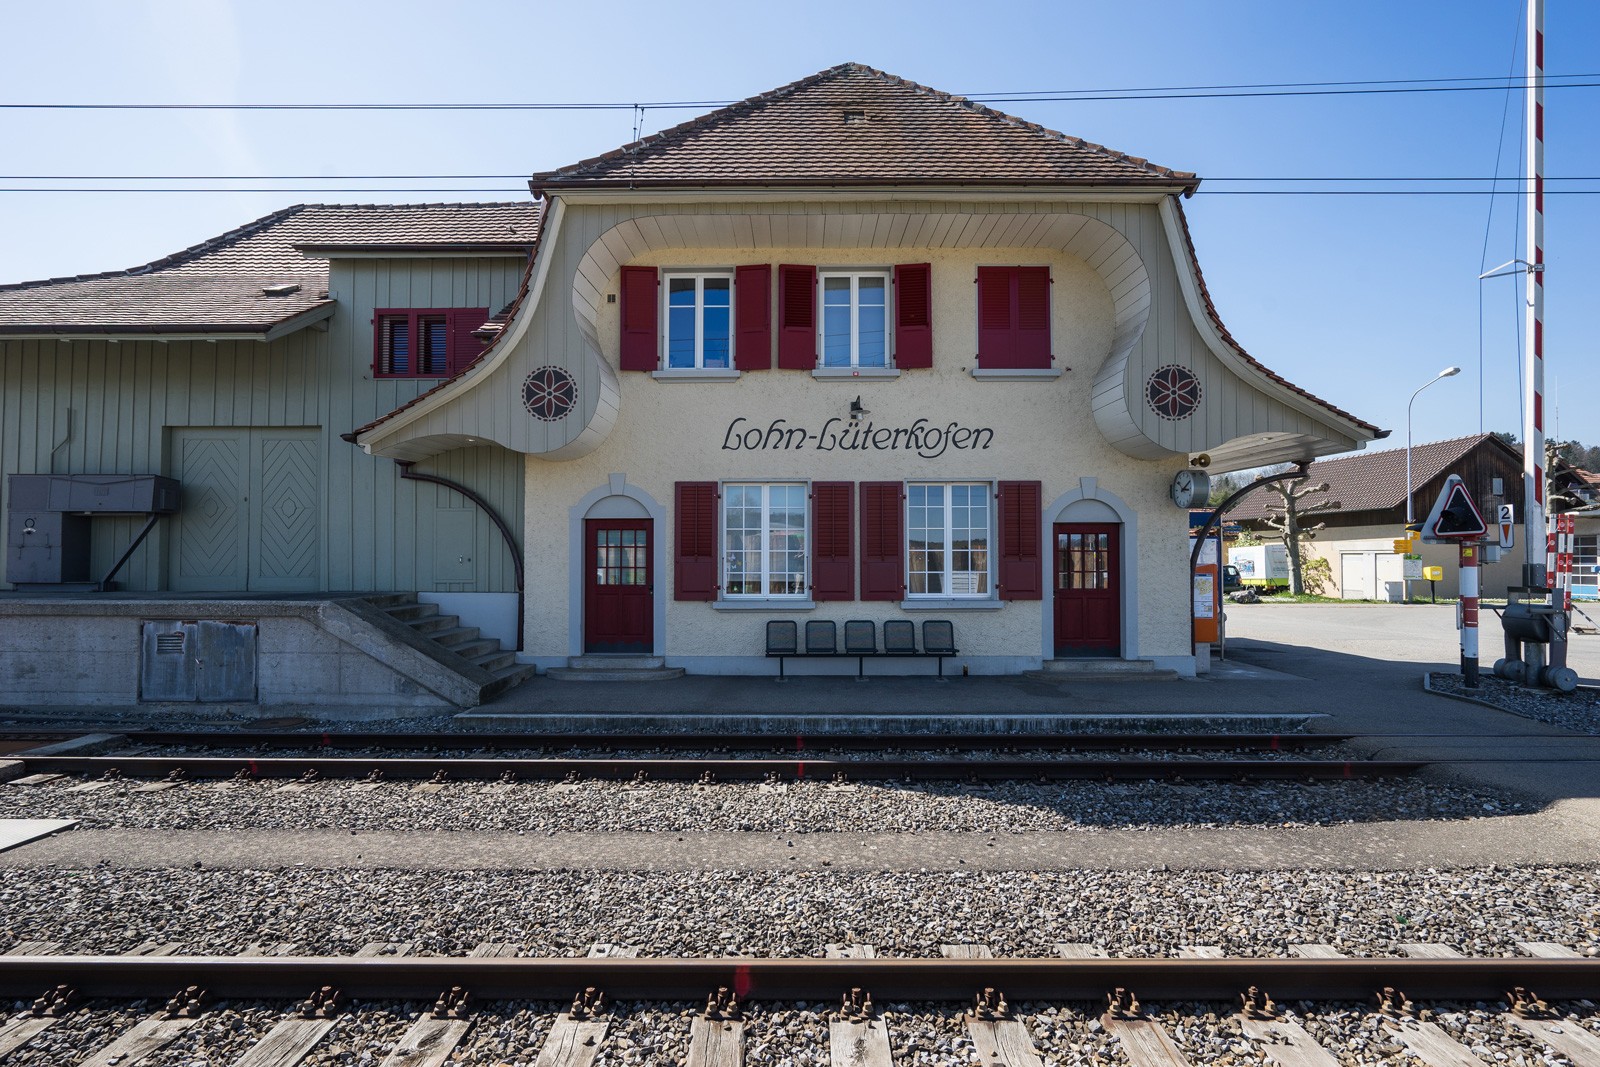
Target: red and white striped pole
1469,613
1533,519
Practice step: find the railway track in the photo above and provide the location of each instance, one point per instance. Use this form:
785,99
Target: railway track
350,756
1100,996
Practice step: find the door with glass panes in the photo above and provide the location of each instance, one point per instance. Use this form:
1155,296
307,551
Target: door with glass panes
619,587
1088,589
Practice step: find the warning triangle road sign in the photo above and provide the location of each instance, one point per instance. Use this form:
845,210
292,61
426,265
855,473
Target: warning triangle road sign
1454,516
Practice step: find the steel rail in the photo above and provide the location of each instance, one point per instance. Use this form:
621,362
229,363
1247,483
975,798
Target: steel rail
677,979
794,742
726,769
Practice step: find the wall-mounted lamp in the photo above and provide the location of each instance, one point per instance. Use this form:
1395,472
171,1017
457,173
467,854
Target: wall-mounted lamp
856,410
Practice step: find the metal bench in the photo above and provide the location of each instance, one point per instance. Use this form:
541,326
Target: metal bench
861,641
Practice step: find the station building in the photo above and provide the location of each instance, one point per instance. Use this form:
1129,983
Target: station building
852,349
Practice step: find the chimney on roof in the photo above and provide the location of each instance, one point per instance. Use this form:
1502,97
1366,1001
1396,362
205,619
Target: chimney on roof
281,289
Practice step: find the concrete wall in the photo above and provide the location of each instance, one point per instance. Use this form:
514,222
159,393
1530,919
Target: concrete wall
310,654
1493,577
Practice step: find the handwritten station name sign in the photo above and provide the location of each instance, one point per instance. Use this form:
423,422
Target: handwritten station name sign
839,435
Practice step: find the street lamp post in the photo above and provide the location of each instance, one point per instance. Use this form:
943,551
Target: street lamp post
1448,372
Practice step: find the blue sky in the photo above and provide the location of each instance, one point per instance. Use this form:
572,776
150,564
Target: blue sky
1359,299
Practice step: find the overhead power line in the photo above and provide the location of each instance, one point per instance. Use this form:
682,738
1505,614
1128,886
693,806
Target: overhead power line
1174,92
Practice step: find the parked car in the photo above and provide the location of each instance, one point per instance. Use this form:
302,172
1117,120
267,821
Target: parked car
1231,582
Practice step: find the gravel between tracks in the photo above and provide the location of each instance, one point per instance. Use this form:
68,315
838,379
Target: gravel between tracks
1481,911
789,807
1578,712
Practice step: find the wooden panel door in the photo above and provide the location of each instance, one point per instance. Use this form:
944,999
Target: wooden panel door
210,536
619,587
285,511
252,510
1088,588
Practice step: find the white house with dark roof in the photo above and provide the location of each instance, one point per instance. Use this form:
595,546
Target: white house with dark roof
850,351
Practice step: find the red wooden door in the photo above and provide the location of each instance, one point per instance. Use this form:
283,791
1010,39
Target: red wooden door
1088,590
619,586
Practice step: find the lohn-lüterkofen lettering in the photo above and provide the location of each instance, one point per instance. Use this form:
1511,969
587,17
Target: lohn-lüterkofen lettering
839,435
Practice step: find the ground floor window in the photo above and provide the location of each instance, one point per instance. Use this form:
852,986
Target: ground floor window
947,537
764,532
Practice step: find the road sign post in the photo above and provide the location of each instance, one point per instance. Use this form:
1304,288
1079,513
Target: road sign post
1469,613
1456,518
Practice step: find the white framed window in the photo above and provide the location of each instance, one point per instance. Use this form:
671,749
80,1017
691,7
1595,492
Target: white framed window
949,527
854,324
764,529
1586,566
697,331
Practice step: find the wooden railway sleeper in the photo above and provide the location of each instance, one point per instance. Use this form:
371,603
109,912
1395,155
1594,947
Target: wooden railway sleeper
1255,1004
323,1003
1526,1005
588,1005
453,1003
855,1007
186,1003
1122,1004
55,1002
723,1004
989,1005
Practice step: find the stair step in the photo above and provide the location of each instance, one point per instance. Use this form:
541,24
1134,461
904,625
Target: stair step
616,662
497,660
1100,670
410,612
624,674
391,600
471,650
509,678
452,636
432,624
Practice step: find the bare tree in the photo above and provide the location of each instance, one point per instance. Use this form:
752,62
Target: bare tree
1287,515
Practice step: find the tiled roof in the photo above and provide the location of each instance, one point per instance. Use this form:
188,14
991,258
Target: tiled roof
1371,481
852,124
217,286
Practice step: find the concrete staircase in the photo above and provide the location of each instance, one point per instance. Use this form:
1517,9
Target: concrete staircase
1100,670
615,668
480,658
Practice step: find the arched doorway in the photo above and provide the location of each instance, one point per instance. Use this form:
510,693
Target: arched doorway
1087,580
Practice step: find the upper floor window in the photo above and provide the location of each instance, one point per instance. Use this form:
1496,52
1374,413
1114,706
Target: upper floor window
764,539
1014,318
947,537
424,342
699,328
855,318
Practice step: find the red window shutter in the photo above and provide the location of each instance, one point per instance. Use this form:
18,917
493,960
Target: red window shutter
640,311
913,316
797,317
694,574
1014,318
752,293
1033,317
883,569
464,348
832,563
1020,558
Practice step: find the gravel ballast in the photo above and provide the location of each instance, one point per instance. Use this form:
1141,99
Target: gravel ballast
1578,711
780,807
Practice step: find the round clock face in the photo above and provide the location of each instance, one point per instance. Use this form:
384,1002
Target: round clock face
1173,392
549,393
1190,488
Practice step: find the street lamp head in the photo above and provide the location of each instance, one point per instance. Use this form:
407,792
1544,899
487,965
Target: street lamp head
1450,372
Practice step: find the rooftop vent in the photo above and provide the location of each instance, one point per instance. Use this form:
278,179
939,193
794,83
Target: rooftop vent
281,289
854,117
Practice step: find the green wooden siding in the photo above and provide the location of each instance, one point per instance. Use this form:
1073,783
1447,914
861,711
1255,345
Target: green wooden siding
98,407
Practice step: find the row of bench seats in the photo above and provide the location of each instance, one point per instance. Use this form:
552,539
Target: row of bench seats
861,640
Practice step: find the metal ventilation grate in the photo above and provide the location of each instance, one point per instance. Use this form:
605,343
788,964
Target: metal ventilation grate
169,644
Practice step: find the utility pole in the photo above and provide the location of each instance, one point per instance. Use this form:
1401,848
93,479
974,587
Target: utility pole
1533,504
